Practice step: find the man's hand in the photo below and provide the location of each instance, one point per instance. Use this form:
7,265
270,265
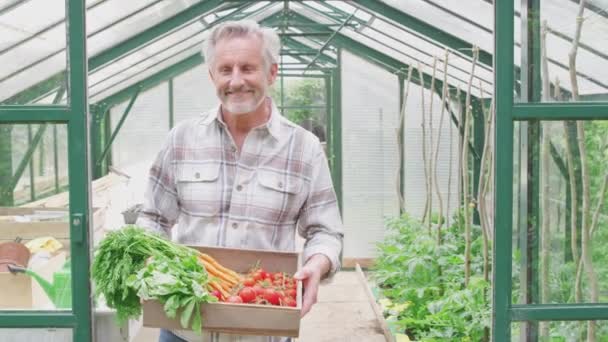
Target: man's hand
310,275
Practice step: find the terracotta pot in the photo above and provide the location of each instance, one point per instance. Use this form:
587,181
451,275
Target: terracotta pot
13,253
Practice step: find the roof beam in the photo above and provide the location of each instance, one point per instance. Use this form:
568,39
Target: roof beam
326,44
292,43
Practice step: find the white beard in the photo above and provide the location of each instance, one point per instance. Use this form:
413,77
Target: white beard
240,108
243,107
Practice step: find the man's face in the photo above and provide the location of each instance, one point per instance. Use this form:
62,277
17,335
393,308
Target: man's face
239,75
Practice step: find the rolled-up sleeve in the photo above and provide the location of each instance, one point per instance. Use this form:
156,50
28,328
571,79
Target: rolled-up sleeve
160,209
319,222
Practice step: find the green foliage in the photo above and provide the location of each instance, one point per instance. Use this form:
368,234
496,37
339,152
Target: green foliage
173,276
178,284
426,282
596,144
301,92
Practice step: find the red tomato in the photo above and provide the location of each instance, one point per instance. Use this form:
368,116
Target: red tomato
288,301
259,290
249,281
291,293
272,296
257,276
247,294
234,299
263,273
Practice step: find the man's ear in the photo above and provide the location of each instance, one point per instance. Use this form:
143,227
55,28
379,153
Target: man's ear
273,72
210,74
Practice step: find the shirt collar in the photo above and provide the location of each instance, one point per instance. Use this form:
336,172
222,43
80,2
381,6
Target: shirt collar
272,125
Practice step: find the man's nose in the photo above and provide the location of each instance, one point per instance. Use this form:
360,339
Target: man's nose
236,79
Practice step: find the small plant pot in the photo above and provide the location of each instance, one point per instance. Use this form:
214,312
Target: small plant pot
13,253
130,217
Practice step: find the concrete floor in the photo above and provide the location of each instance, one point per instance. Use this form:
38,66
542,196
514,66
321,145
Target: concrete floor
342,314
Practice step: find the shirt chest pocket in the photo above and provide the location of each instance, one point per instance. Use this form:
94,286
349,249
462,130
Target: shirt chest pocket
280,196
199,189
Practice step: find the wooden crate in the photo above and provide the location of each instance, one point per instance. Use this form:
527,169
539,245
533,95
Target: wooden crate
10,228
241,319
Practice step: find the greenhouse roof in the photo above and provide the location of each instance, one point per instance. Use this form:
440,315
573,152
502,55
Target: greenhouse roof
143,40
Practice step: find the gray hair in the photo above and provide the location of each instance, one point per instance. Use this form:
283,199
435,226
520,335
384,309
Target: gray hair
271,44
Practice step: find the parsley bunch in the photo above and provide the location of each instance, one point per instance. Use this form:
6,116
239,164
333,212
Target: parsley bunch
174,276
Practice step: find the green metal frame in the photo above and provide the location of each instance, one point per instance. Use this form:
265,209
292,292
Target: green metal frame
401,80
6,162
507,112
79,319
29,159
503,151
336,125
328,120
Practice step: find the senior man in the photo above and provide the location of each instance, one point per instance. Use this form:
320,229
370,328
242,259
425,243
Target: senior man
242,175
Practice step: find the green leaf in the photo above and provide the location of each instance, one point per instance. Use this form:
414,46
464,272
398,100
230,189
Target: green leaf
186,314
171,306
197,319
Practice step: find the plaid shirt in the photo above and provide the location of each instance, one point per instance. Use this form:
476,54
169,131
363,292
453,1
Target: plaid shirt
253,198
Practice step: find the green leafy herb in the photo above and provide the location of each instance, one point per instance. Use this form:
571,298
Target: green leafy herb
173,276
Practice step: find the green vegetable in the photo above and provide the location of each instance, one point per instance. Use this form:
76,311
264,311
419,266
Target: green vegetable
173,276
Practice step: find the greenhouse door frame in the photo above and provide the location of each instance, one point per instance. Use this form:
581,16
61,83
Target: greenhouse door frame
75,116
507,112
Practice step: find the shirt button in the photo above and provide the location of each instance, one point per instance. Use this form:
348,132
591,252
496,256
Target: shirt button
197,175
280,185
239,187
235,225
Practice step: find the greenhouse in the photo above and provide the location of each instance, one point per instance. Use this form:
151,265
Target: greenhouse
466,143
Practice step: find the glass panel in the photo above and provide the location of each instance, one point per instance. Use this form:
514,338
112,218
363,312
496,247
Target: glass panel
557,40
558,254
442,19
303,103
562,20
557,331
34,228
123,81
193,93
114,21
38,334
409,48
32,49
137,61
150,107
